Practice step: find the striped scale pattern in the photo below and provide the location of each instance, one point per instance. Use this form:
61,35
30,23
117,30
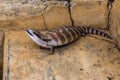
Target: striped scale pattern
64,35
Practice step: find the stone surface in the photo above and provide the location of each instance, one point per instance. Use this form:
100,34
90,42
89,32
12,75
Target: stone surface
88,58
35,22
17,15
115,22
42,14
57,16
1,53
14,9
89,12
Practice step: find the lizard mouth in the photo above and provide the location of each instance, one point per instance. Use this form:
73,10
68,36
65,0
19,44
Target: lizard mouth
29,32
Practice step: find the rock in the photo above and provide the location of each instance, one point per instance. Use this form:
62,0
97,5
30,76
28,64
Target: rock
115,23
36,22
33,14
87,58
57,16
47,14
89,13
1,53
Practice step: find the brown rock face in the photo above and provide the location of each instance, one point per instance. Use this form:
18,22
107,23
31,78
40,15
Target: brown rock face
43,14
16,15
36,22
81,60
115,22
57,16
1,53
89,12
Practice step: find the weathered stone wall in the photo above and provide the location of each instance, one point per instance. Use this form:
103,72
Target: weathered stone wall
31,14
17,14
89,12
1,53
115,22
90,57
82,60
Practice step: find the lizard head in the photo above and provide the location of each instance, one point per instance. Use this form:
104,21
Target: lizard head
37,37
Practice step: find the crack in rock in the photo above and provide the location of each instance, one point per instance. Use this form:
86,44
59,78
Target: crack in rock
109,7
69,9
8,62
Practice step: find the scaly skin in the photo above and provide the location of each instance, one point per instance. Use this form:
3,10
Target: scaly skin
62,36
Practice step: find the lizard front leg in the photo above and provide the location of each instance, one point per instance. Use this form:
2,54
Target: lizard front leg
51,50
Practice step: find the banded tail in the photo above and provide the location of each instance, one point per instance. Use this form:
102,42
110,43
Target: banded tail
89,30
